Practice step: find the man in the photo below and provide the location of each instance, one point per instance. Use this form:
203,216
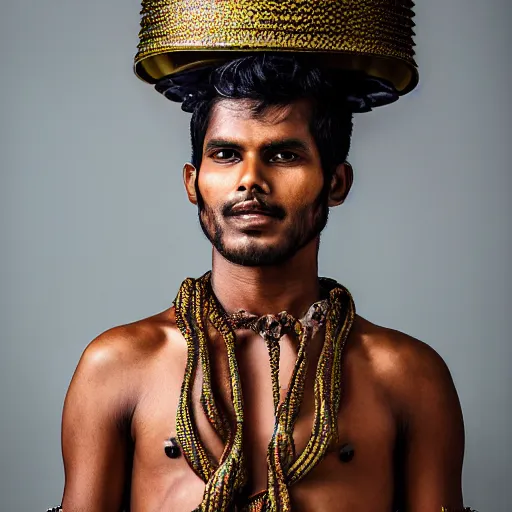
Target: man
261,388
263,175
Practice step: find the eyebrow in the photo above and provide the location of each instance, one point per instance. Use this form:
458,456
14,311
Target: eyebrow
222,143
279,145
275,145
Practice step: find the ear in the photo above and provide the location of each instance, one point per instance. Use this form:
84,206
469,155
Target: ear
341,182
189,179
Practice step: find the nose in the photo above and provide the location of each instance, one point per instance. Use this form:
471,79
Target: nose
253,176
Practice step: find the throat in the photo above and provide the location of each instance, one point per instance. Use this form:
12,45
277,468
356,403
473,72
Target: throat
290,287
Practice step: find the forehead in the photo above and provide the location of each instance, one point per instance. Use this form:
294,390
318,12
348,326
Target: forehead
235,120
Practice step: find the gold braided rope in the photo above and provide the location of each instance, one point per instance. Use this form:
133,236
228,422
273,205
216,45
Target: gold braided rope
187,434
225,481
231,474
281,450
274,351
218,421
327,385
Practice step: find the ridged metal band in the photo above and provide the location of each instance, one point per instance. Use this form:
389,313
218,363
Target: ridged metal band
375,36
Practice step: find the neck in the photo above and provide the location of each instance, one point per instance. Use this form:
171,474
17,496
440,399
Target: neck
291,286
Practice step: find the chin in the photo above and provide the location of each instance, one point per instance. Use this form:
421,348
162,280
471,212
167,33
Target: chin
255,253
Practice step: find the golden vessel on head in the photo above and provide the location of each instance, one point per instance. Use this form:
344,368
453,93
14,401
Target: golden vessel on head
374,36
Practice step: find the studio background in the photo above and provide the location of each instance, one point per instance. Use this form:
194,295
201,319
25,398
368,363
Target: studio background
95,229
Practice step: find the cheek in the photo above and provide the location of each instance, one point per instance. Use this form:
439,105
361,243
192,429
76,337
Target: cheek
213,187
302,190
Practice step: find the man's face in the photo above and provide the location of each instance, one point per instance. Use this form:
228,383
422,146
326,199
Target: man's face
260,185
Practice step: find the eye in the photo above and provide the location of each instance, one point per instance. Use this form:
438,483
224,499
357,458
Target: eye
224,155
284,157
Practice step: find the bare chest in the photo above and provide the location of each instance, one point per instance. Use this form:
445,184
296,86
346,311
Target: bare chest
356,473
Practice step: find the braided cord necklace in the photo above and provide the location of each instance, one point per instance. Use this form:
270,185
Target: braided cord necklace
196,307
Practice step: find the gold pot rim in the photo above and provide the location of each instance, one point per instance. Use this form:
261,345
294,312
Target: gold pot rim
401,72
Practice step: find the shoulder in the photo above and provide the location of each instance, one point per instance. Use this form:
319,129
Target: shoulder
130,343
392,353
409,371
116,361
418,390
106,389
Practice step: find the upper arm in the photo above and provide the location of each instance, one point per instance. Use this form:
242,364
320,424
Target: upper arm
433,430
94,437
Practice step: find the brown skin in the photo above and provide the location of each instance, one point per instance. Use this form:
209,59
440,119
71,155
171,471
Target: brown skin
397,391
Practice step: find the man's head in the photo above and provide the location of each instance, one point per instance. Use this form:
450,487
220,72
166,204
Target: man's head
269,144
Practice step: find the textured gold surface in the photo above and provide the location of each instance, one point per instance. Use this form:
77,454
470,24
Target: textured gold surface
375,36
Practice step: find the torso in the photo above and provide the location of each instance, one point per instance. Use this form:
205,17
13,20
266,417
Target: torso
366,420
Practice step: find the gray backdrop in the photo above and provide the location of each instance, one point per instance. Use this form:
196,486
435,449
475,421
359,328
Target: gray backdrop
95,229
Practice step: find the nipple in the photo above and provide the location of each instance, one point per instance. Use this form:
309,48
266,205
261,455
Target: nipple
172,448
346,453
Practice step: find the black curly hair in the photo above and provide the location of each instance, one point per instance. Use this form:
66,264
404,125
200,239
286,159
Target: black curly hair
269,80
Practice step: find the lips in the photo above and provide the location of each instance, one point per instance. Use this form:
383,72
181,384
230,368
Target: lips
241,213
253,216
250,208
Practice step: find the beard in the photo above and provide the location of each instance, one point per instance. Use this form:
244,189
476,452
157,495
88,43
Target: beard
308,222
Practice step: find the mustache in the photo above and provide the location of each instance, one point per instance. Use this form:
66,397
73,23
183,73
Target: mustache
260,204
